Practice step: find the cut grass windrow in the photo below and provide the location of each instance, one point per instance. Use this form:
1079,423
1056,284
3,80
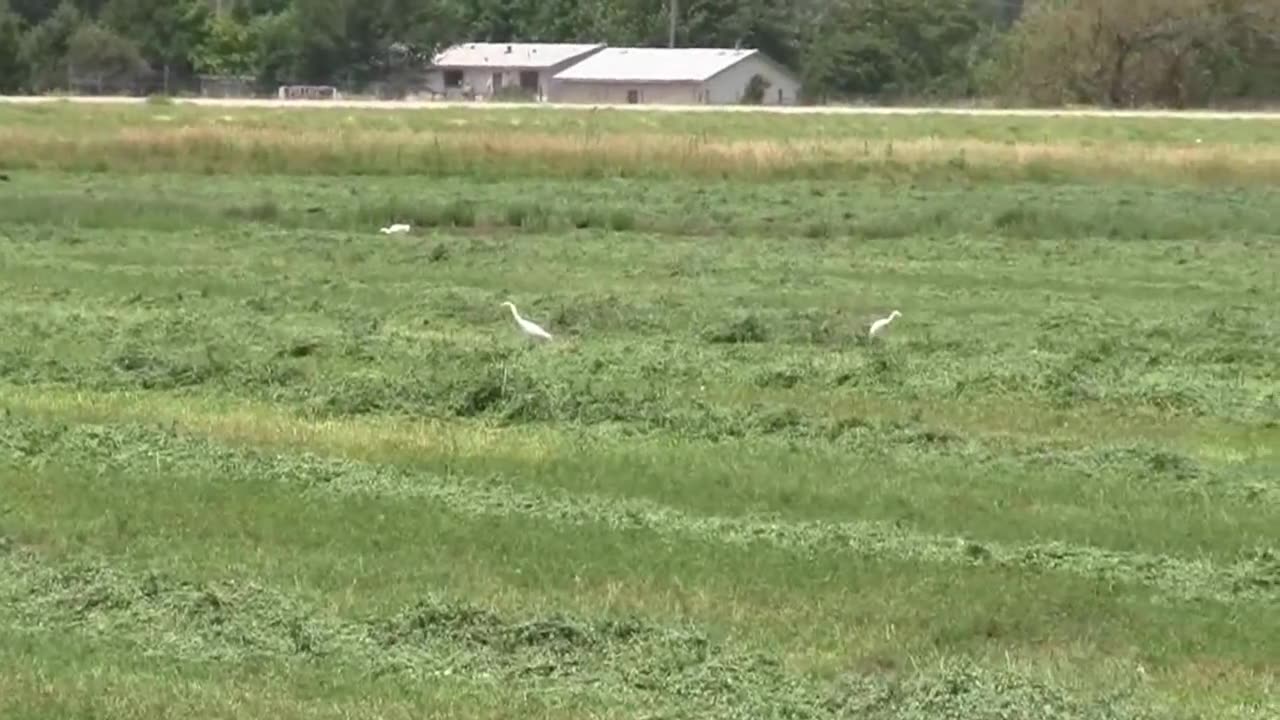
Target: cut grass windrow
813,210
1122,491
1254,577
624,660
1244,477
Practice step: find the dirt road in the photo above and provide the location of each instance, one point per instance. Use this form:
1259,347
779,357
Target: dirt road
824,109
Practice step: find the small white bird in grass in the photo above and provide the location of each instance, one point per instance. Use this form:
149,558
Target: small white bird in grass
528,327
397,228
879,326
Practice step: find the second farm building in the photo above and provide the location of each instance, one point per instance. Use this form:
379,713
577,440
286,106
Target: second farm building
603,75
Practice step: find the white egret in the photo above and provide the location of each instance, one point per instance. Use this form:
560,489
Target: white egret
879,326
397,228
532,329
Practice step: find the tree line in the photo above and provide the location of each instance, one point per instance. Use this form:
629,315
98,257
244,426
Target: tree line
1046,52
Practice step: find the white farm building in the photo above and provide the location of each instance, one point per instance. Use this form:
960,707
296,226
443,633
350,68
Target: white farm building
486,70
674,76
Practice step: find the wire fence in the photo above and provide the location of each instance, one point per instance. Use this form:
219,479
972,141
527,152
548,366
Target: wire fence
99,81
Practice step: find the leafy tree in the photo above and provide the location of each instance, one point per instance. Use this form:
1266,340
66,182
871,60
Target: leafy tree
894,47
408,33
276,45
1113,51
256,8
32,12
13,68
44,48
753,94
766,25
97,54
226,48
1166,51
626,22
167,31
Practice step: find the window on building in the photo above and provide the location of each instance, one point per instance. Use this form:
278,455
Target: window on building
453,78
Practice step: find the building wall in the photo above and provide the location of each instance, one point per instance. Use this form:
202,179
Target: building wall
615,93
727,87
723,89
479,78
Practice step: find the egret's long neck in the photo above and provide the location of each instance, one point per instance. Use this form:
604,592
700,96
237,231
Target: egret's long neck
514,314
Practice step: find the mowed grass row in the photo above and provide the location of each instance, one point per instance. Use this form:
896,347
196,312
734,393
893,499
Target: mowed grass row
352,322
130,521
991,405
625,488
257,455
815,210
544,144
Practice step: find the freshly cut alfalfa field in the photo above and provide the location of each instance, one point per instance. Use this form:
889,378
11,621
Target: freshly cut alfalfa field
259,458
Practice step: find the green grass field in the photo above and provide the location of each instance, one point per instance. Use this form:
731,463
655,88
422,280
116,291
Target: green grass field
257,458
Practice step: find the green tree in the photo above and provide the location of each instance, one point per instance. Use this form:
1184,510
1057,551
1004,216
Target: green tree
1049,51
276,46
406,35
425,25
1169,52
329,42
226,48
625,22
753,94
32,12
13,68
44,47
894,48
99,56
765,25
168,32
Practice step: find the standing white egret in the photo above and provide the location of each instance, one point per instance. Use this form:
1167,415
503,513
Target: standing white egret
879,326
397,228
532,329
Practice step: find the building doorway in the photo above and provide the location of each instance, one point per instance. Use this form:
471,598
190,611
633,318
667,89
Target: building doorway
633,97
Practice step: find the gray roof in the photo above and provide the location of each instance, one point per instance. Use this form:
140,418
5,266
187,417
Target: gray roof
506,55
654,64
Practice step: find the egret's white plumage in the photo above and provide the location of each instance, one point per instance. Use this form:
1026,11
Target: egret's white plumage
528,327
879,326
397,228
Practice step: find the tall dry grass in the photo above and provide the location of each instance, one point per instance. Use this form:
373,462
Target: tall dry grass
270,150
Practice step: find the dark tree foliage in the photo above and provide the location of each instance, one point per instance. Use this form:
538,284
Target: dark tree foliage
1158,51
13,67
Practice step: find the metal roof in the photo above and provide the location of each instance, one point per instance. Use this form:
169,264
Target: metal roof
654,64
525,55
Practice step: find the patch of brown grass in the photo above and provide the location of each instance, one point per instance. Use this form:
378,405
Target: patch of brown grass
350,150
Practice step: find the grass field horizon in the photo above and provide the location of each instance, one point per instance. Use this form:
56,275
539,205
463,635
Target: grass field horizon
257,457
